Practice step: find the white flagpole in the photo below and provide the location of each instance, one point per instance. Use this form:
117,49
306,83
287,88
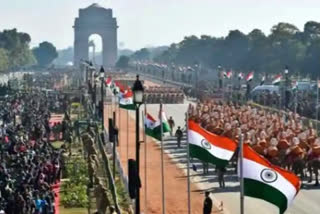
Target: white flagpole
241,174
317,108
119,124
162,164
127,155
296,100
145,160
188,162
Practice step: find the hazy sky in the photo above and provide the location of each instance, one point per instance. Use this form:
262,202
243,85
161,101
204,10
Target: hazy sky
155,22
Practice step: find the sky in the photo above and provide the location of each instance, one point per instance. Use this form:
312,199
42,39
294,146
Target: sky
144,23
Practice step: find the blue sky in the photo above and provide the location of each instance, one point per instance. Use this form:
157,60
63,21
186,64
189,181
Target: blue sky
155,22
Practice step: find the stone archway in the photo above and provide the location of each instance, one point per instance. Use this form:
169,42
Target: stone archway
95,20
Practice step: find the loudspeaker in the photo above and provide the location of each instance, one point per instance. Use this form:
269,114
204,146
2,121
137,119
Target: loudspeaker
132,178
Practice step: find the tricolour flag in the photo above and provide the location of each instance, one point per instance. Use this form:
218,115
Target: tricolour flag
263,80
240,76
109,82
268,182
115,87
126,101
294,85
277,79
153,128
249,76
229,74
224,74
209,147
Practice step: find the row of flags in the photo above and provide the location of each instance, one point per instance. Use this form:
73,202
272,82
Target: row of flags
125,95
262,179
249,77
229,74
275,185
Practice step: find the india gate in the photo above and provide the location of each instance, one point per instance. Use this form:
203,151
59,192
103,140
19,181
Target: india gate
95,20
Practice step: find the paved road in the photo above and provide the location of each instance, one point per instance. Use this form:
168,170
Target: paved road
307,201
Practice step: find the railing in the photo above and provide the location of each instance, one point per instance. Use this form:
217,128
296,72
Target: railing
107,168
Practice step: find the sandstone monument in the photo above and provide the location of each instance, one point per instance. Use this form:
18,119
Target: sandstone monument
95,20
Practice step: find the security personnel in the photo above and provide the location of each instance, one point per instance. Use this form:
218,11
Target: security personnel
207,204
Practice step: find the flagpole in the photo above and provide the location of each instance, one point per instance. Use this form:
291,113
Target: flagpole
241,174
162,163
127,138
119,124
296,101
145,160
188,163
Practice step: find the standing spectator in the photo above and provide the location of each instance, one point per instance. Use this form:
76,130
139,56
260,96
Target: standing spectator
221,171
179,135
171,124
207,204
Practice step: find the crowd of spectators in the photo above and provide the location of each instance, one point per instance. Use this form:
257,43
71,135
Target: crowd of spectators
29,165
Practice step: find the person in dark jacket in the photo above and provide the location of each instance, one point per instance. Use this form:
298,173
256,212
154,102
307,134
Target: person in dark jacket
207,204
179,135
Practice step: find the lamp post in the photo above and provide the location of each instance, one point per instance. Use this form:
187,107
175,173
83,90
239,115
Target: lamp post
102,95
94,94
91,70
138,93
286,87
196,66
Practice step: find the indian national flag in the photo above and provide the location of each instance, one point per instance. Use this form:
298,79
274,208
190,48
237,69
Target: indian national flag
225,74
268,182
262,80
209,147
240,76
153,128
294,85
277,79
115,88
126,101
229,74
249,76
108,82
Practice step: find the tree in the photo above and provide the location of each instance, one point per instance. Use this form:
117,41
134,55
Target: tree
65,56
142,54
123,62
16,46
4,60
285,45
45,53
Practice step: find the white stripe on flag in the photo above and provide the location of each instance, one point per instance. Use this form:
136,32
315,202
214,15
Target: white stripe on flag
195,139
252,170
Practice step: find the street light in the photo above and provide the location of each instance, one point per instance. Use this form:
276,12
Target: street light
138,92
91,69
196,66
102,95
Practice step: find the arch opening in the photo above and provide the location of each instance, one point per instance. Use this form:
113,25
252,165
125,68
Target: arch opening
95,48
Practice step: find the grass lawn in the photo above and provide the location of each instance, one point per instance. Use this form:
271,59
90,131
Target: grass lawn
73,210
57,144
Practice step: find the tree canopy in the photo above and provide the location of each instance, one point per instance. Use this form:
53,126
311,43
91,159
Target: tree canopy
286,45
45,53
123,62
14,50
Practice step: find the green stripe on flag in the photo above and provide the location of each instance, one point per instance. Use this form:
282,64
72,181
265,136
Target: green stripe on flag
156,131
205,156
128,107
257,189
